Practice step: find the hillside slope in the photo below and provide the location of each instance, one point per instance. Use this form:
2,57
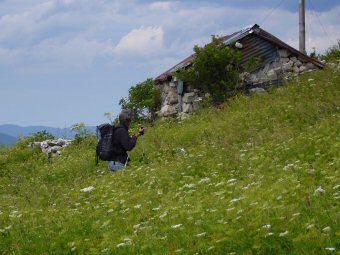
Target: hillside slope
259,176
7,139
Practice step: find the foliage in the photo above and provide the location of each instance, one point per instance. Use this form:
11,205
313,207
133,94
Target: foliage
259,176
144,100
214,70
81,132
333,53
252,64
38,137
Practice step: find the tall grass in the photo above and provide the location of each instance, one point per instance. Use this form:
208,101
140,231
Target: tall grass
259,176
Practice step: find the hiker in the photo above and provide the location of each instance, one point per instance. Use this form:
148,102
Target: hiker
123,142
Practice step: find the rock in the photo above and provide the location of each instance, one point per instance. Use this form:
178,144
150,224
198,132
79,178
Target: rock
271,74
284,60
296,69
196,104
168,110
55,149
294,59
310,66
172,97
189,97
172,85
36,144
287,66
187,108
298,63
303,69
257,91
283,53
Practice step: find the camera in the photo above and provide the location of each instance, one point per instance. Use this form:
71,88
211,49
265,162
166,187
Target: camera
141,130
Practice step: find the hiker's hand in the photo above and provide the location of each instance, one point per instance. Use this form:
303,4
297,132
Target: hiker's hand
141,131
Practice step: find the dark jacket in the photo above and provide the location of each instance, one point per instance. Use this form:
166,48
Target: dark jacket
122,143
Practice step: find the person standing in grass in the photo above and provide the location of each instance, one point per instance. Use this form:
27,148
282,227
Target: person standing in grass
123,142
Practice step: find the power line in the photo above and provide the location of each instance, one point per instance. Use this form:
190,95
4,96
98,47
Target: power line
319,20
271,11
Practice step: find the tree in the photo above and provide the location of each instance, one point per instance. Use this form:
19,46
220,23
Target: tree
144,100
214,70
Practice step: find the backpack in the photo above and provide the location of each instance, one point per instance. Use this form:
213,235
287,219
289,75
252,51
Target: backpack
105,146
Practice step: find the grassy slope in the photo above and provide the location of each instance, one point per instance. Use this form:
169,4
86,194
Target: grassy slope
246,183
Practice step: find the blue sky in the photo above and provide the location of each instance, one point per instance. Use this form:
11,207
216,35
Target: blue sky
67,61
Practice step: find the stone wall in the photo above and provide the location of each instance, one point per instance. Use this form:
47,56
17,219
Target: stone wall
174,103
52,147
284,66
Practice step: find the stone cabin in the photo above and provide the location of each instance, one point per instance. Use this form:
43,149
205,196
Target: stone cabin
278,61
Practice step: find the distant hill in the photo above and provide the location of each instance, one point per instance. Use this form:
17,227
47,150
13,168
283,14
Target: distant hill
7,139
16,131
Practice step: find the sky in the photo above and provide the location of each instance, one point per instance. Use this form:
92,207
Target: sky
68,61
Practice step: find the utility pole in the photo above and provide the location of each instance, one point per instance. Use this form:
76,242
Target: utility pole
302,27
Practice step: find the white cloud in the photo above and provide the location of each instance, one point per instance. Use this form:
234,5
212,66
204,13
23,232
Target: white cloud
143,41
162,6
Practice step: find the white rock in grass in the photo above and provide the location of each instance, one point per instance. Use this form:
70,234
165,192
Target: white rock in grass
87,189
319,190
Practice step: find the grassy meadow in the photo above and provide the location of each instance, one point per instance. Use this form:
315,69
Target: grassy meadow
258,176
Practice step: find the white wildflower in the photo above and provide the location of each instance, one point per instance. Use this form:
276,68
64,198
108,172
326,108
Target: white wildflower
219,184
330,249
269,234
191,185
163,215
310,80
121,245
319,190
267,226
138,206
201,234
326,229
336,187
176,226
236,200
156,209
284,233
206,179
87,189
310,226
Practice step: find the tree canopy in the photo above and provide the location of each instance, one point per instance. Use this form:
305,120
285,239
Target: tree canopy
214,69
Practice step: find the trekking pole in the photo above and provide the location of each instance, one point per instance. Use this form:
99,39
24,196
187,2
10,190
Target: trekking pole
143,147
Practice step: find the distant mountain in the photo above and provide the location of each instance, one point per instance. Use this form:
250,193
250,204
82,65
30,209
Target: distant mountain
16,131
7,139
